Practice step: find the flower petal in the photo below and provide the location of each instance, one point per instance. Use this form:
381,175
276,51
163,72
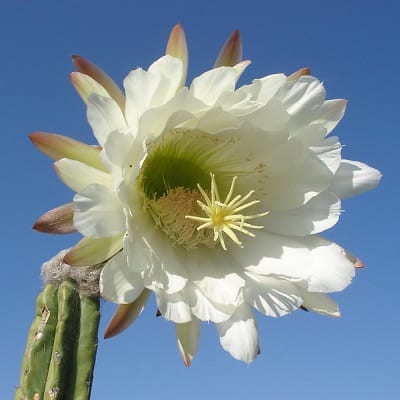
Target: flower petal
264,89
58,146
203,308
321,304
319,214
209,86
322,265
173,307
152,88
330,113
353,178
98,212
188,336
118,282
272,295
222,284
300,72
231,52
239,335
57,220
301,97
104,116
126,314
77,175
177,47
88,68
93,251
85,86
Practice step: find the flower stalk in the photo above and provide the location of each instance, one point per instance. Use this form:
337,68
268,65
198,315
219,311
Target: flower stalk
62,342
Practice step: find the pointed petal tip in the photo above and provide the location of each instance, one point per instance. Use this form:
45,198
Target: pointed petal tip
86,67
231,51
56,221
125,315
300,72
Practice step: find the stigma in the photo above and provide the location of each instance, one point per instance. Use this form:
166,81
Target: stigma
226,217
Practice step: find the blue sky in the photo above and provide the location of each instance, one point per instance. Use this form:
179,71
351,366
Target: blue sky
351,46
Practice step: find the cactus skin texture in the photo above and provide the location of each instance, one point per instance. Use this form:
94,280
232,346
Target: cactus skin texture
61,347
80,381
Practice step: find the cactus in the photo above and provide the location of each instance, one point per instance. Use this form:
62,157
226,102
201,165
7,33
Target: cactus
61,348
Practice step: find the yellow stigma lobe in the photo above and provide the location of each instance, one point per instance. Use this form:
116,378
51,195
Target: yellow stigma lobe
225,217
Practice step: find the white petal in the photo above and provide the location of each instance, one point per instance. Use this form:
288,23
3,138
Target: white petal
329,151
104,116
209,86
173,307
263,90
330,113
203,308
188,336
271,295
294,176
153,88
170,115
118,283
171,69
301,97
353,178
215,275
77,175
150,250
271,117
321,304
120,149
323,265
319,214
98,212
239,335
216,120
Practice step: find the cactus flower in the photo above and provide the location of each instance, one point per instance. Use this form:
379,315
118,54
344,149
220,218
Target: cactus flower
212,196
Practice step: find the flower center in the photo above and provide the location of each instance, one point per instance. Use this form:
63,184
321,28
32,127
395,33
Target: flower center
226,217
169,214
177,168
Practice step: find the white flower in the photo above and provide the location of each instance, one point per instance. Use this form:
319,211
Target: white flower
212,196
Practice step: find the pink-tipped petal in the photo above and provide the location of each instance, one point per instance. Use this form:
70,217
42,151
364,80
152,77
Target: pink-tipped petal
177,47
59,220
58,146
88,68
188,335
356,261
231,52
125,315
300,72
85,86
93,251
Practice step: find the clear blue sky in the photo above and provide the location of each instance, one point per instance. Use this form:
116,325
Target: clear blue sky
353,46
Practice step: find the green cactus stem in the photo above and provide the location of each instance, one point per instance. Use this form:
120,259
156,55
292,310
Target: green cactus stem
65,341
61,348
84,358
39,345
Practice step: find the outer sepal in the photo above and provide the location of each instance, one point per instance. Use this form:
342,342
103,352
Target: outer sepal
59,220
177,47
300,72
59,146
93,251
92,70
231,52
126,314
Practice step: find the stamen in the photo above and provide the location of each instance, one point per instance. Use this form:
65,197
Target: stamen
223,216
